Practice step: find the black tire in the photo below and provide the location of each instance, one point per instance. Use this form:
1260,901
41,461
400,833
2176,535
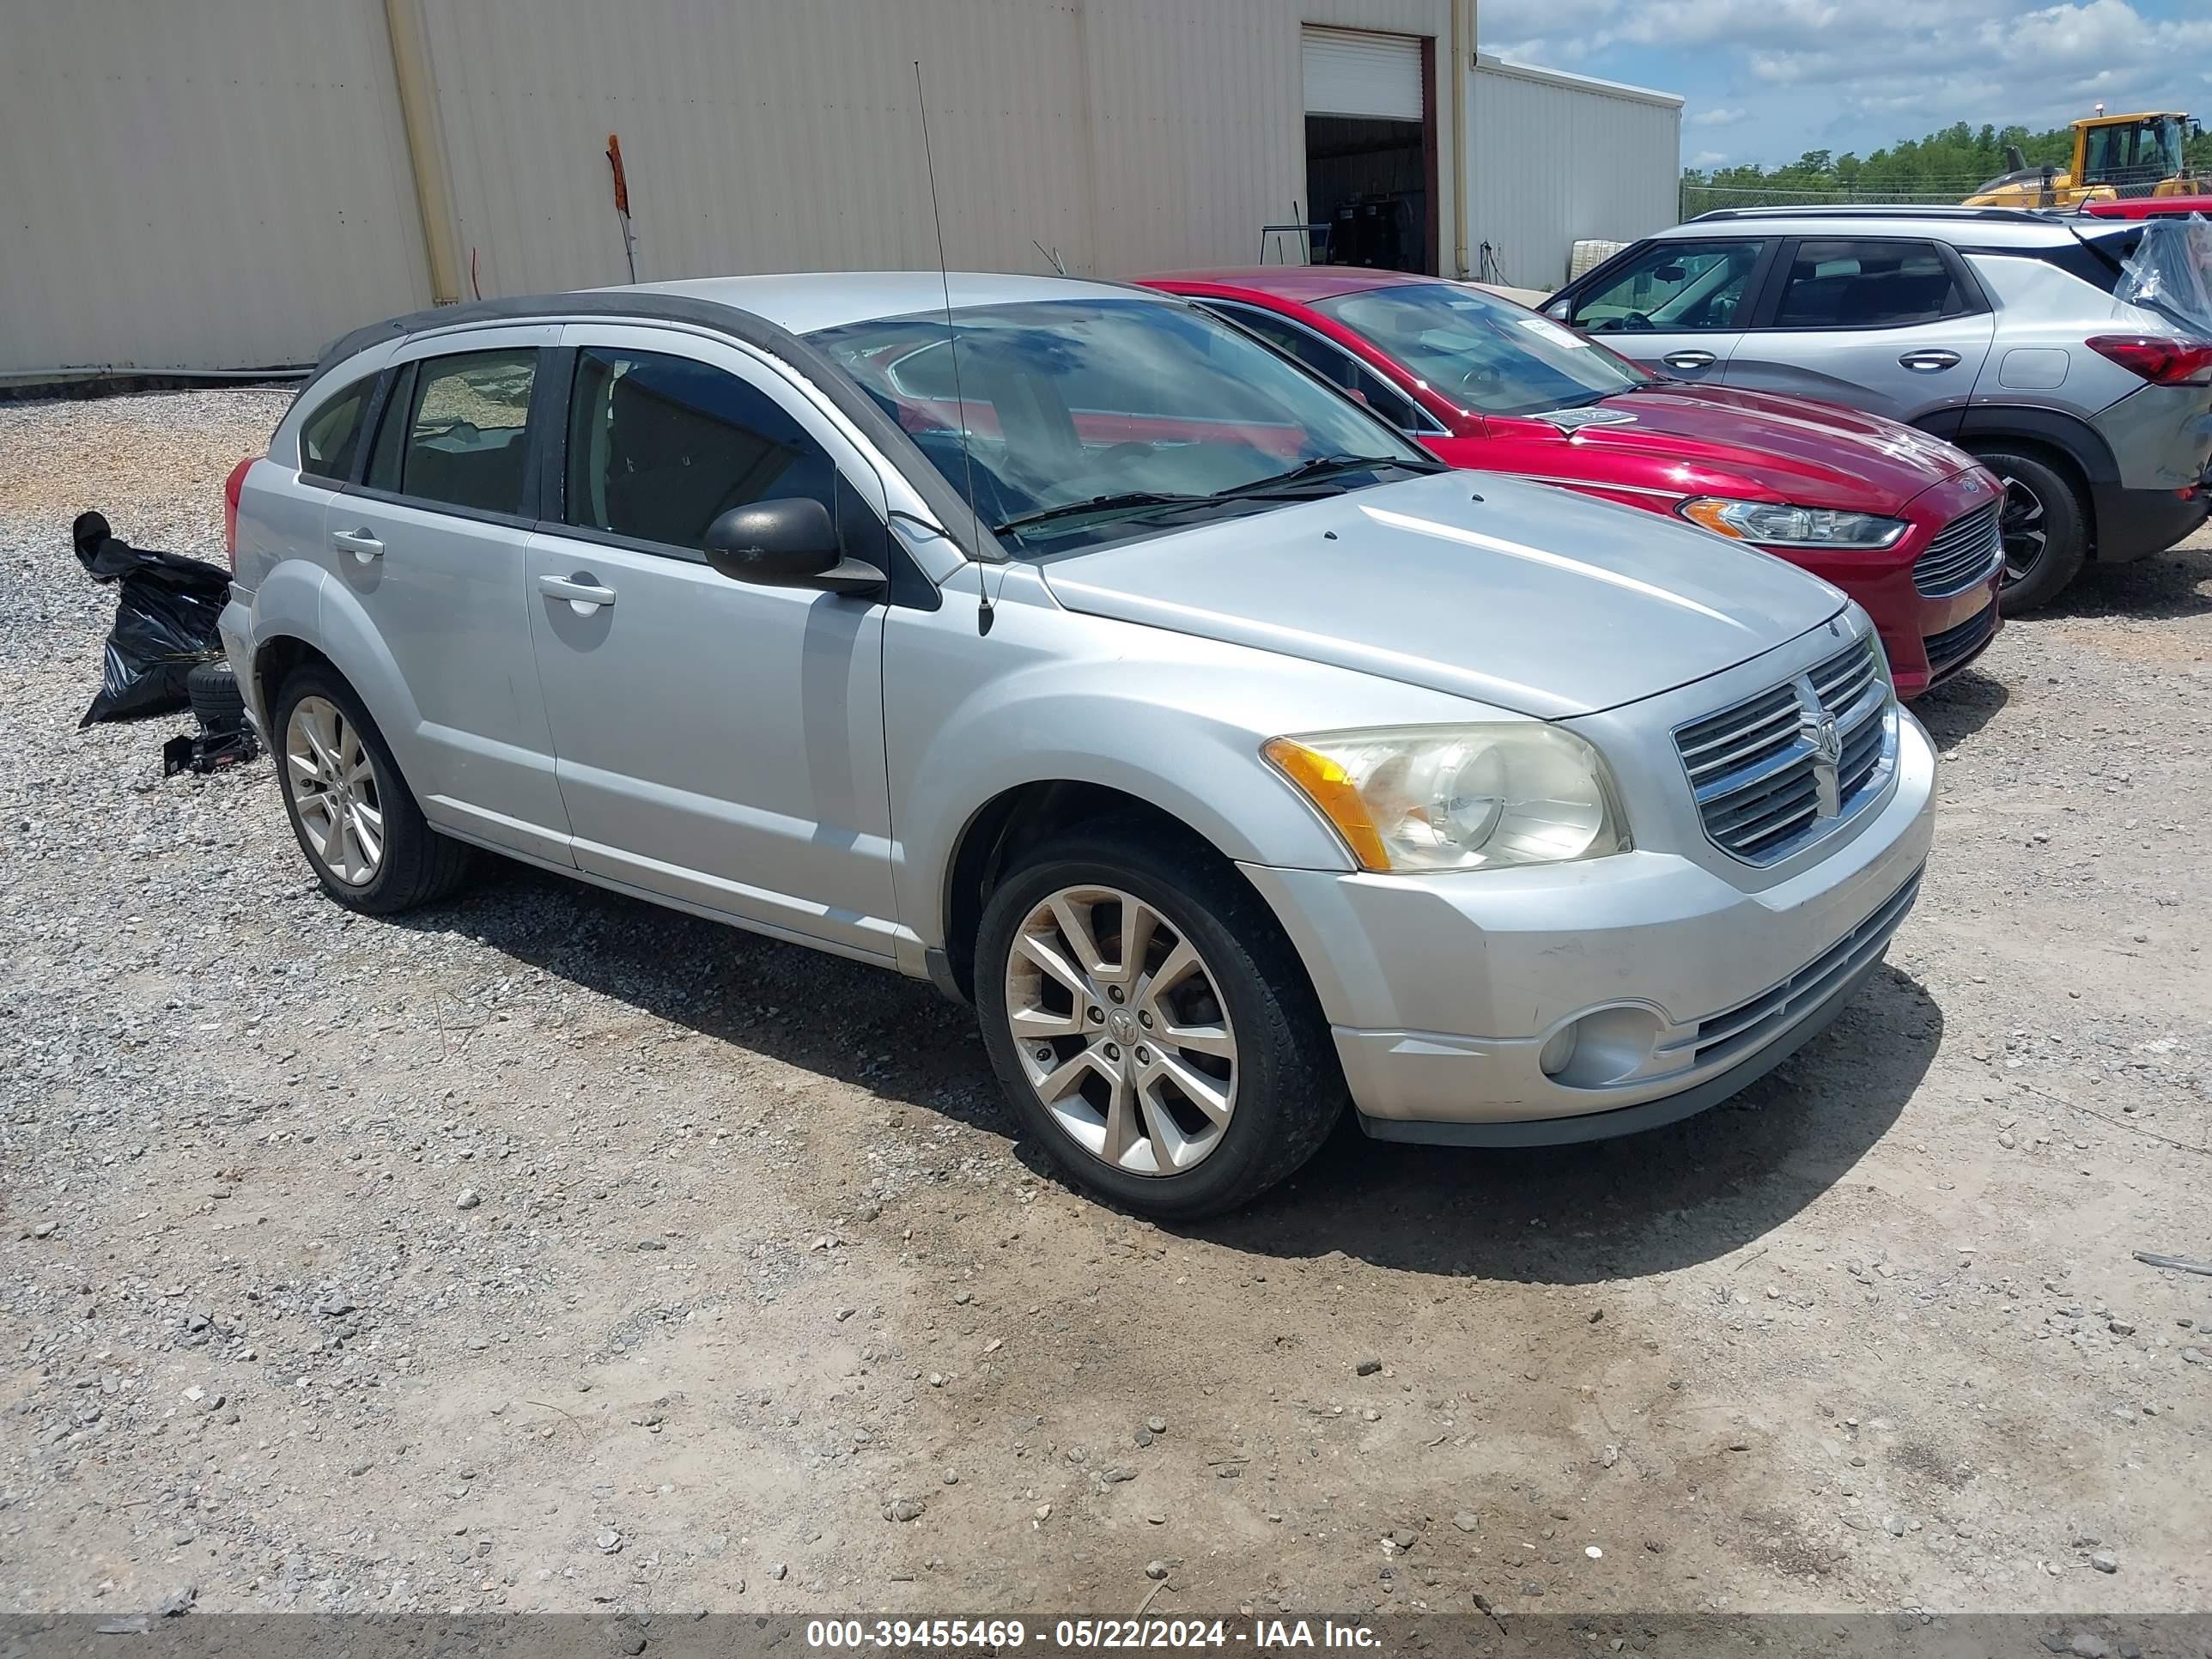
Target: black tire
418,865
1289,1091
2039,502
217,702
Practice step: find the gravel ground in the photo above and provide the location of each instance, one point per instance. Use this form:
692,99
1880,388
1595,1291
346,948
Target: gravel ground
546,1250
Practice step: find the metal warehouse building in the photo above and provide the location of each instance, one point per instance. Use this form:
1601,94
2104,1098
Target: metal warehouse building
228,184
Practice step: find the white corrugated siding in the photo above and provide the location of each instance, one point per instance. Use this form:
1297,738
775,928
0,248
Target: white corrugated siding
217,185
1128,135
1349,72
226,183
1552,159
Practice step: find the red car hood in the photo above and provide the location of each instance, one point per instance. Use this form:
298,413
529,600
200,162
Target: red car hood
1713,440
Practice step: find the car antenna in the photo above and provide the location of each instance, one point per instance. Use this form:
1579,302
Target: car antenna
1051,254
983,609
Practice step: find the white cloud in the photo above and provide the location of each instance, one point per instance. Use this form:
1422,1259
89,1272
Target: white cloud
1794,74
1709,158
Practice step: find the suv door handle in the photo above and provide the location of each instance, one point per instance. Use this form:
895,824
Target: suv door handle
580,590
1927,363
361,544
1689,360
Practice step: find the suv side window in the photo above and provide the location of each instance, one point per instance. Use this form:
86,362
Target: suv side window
455,431
1331,362
660,447
332,433
1870,284
1673,288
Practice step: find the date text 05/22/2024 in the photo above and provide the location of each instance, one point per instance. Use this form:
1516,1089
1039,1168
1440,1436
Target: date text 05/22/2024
1085,1634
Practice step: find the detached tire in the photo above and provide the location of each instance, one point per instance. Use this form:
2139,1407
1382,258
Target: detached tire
2045,529
1151,1025
217,702
355,817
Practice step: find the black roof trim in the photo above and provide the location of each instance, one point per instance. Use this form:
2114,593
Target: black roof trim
952,513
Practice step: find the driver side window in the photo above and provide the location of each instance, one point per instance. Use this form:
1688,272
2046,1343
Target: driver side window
1674,288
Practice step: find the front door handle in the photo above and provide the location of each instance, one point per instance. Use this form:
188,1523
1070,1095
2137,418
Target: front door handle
361,544
580,590
1689,360
1927,363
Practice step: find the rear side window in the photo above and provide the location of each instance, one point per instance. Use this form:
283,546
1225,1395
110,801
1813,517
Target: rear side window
332,433
660,447
454,431
1845,284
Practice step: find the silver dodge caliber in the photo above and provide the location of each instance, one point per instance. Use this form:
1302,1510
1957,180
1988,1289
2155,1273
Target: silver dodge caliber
1064,644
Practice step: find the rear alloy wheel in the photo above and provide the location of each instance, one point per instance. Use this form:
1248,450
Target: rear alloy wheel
355,819
1153,1029
335,791
2042,526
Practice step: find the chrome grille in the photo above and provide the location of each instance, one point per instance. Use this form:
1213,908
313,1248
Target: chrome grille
1950,648
1766,783
1748,1024
1966,552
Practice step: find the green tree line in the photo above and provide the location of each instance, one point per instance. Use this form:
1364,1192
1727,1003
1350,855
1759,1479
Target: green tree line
1953,162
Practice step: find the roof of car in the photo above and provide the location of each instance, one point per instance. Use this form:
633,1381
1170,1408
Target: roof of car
1980,227
820,300
1303,284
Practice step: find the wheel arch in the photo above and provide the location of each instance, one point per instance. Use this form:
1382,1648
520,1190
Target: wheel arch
1021,816
2068,445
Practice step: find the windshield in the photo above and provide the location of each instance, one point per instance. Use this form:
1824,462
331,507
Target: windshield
1483,353
1083,416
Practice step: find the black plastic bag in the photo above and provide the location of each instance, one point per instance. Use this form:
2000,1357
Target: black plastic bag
165,621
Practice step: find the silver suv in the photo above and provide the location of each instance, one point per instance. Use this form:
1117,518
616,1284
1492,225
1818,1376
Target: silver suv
1995,328
1233,756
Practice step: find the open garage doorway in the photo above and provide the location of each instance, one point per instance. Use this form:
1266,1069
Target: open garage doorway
1371,149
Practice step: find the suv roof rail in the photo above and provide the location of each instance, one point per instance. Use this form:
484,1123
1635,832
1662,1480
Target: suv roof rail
1874,210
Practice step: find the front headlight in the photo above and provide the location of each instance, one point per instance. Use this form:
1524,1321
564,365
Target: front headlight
1772,524
1458,797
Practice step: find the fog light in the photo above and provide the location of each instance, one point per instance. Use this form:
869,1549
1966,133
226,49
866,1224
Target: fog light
1558,1050
1606,1047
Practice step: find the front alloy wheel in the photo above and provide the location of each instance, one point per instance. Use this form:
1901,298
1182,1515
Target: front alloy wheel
1121,1030
334,790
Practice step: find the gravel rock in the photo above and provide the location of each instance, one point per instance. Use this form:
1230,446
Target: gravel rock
1368,1365
2104,1561
468,1199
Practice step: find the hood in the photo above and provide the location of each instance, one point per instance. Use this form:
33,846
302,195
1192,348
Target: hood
1814,454
1531,598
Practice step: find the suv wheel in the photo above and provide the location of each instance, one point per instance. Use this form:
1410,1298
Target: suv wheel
2045,532
1150,1023
352,812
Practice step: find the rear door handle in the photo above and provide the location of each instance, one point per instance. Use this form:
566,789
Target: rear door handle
580,590
361,544
1927,363
1689,360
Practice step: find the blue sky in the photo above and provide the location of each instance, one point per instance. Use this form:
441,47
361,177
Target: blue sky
1767,80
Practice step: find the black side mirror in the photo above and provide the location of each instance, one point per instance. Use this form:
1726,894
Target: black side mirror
788,542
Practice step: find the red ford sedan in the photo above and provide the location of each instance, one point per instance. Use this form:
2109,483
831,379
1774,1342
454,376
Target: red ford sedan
1903,523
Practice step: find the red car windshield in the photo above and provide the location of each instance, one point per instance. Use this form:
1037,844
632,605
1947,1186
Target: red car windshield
1482,353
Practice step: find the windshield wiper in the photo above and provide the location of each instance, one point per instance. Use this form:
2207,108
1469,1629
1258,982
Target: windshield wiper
1127,501
1321,465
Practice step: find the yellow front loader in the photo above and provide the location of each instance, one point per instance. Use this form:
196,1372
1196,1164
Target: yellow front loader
2115,156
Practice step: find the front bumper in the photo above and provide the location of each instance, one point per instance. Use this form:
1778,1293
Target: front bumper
1443,991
